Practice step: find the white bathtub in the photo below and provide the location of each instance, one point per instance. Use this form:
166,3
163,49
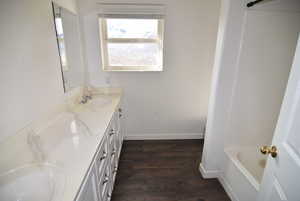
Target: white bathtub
243,171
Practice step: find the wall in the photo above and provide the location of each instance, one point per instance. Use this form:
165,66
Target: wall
30,75
175,101
264,65
225,66
254,56
71,5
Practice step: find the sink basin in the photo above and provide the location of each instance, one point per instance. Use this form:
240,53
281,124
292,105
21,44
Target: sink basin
32,182
100,101
97,103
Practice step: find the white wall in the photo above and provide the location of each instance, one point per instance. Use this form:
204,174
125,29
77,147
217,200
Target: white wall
71,5
31,83
222,80
254,56
264,65
175,100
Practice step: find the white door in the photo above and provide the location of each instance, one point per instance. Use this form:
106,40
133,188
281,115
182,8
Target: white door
282,175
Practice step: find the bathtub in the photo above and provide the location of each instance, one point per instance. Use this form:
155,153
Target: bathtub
242,172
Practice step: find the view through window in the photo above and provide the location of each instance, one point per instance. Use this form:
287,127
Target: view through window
131,44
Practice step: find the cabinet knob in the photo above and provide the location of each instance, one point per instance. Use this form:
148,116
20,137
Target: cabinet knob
103,157
115,169
105,181
113,152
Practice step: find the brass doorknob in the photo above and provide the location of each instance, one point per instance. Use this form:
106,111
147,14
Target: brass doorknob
269,150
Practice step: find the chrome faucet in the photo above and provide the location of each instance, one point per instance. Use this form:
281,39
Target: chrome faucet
85,99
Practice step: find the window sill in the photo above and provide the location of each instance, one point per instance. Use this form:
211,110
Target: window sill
132,69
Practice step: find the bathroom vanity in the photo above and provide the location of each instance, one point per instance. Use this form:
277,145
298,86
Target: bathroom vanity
99,181
71,155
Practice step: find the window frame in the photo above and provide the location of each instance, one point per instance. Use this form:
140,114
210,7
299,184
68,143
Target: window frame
104,41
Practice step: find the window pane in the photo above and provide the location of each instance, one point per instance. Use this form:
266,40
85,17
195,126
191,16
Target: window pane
132,28
62,51
141,54
59,27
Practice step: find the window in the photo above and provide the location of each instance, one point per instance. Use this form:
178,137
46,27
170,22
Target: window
131,44
61,43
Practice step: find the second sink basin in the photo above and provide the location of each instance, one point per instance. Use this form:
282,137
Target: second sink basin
32,182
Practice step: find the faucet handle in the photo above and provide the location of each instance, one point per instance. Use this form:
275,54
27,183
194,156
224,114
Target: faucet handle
89,96
35,144
83,100
31,137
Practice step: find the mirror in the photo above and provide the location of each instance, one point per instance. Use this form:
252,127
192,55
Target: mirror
69,47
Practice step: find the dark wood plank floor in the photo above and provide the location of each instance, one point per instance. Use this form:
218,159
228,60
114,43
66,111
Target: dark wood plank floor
164,171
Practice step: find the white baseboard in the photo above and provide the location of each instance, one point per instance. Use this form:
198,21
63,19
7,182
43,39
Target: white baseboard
207,174
164,136
227,188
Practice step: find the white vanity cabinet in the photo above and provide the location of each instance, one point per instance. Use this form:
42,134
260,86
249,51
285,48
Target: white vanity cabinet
89,190
99,182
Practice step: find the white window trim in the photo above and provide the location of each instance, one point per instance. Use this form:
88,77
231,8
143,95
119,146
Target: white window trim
104,52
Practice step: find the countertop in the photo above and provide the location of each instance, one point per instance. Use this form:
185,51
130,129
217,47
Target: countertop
71,139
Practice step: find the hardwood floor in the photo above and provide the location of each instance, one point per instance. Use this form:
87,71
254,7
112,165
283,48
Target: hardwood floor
164,171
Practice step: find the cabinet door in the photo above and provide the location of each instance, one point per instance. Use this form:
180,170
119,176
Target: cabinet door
89,190
112,138
104,184
119,136
102,158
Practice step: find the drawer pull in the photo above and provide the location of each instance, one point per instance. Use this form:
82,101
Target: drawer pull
115,170
111,133
104,156
105,181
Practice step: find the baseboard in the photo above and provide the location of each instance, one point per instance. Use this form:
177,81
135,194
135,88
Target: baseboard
227,188
207,174
164,136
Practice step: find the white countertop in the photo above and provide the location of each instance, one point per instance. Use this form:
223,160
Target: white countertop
68,144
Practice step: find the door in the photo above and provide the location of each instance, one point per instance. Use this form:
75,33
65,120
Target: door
281,180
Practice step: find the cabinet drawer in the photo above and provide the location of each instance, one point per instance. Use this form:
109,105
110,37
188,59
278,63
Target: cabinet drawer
102,158
111,137
113,157
107,196
104,183
114,169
